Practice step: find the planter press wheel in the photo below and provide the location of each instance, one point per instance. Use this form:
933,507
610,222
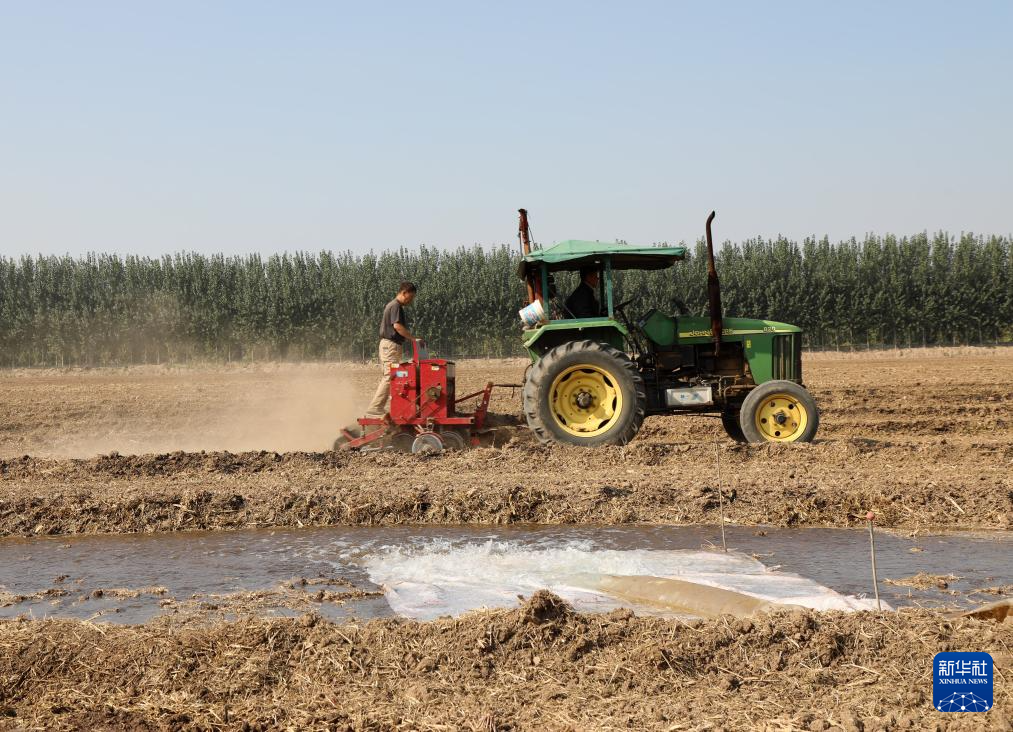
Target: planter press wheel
427,442
454,440
341,442
402,442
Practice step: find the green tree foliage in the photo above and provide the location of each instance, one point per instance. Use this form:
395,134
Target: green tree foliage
103,309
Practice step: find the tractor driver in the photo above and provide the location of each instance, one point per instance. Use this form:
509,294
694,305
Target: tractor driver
393,333
583,303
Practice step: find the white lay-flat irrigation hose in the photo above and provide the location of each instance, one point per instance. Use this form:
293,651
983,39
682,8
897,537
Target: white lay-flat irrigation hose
701,601
704,601
999,611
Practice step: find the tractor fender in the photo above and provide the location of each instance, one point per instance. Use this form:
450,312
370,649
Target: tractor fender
547,336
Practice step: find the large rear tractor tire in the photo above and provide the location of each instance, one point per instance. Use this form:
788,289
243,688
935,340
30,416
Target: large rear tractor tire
585,393
779,411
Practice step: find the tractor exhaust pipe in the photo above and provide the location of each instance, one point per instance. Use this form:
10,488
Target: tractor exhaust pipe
713,292
524,234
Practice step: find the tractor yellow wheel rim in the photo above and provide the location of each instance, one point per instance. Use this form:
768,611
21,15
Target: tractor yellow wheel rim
585,400
781,418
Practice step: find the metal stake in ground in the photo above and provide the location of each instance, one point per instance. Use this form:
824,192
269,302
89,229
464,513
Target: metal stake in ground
721,499
872,544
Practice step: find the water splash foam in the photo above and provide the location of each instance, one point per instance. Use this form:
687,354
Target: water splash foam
441,577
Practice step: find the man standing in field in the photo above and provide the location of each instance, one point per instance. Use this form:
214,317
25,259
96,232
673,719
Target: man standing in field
393,333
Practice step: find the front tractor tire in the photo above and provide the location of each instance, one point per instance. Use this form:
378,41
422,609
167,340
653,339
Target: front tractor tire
779,411
733,428
585,393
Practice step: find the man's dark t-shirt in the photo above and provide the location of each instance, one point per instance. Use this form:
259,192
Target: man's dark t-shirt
582,303
392,313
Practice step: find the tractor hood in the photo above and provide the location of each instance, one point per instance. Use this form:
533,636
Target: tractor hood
574,254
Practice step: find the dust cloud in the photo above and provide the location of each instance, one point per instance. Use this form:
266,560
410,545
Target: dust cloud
298,415
290,411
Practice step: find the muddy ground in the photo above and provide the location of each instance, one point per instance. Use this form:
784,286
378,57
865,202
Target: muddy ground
922,438
540,666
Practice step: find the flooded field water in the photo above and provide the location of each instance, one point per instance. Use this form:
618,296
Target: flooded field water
425,572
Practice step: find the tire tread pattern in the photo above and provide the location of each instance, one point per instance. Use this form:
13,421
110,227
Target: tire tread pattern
543,372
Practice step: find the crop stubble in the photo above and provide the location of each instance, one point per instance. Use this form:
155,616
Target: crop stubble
540,666
925,440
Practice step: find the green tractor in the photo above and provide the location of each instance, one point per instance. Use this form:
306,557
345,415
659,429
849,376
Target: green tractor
594,379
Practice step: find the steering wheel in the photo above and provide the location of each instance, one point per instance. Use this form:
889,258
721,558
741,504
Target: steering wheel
620,309
631,328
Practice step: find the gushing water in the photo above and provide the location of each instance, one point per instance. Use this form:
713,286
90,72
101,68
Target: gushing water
443,578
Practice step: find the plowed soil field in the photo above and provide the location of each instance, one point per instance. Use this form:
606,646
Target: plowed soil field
537,667
922,438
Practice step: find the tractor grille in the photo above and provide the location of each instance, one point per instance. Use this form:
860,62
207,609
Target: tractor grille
787,358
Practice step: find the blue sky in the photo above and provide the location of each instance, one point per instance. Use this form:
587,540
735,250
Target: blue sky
256,126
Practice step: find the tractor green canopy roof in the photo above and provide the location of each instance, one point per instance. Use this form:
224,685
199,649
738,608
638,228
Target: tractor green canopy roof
574,254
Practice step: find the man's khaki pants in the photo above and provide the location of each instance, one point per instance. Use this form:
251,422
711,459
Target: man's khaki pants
390,355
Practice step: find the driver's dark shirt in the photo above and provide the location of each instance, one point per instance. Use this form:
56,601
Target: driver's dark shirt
582,303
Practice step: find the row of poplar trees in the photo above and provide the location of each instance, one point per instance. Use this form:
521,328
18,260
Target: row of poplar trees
103,309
